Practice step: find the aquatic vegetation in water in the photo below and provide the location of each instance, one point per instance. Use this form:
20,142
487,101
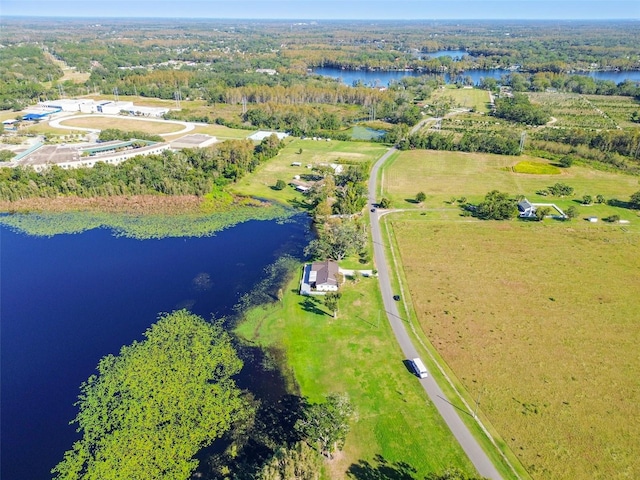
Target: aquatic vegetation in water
142,226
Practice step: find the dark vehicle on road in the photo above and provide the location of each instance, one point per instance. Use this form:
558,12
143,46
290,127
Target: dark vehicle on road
396,298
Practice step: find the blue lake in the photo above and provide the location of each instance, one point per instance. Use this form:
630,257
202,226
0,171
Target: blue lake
71,299
383,78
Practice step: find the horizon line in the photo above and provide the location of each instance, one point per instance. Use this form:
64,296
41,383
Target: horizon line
289,19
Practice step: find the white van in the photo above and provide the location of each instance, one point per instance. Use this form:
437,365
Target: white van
419,367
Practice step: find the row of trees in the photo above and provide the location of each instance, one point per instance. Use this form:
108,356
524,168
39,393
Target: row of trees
622,142
503,143
519,109
190,172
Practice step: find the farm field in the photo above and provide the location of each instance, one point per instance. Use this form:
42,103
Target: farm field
357,354
581,111
540,321
315,153
451,175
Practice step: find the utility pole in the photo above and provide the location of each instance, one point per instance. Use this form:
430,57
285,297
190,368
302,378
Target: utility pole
522,137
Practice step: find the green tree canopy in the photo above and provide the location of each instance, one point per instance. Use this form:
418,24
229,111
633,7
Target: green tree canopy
497,206
325,425
152,407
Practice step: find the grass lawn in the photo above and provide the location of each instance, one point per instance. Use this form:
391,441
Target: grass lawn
463,97
540,320
259,182
357,354
446,175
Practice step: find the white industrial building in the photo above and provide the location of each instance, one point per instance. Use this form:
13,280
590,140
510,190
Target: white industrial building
67,104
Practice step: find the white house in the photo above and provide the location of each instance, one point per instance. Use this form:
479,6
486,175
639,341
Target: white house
526,209
324,276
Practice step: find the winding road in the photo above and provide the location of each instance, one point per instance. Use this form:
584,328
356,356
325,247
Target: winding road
467,441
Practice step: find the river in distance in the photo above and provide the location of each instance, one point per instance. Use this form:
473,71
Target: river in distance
69,300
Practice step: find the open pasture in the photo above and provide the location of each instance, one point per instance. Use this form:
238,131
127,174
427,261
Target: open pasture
541,325
446,175
306,152
463,97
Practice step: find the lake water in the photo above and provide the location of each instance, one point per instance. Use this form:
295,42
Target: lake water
383,78
71,299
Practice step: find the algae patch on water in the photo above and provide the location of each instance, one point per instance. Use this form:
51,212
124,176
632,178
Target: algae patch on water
142,226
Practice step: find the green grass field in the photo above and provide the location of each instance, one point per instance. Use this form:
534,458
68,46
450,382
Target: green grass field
315,153
446,175
538,320
463,97
357,354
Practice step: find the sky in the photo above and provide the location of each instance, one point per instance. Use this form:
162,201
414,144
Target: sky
329,9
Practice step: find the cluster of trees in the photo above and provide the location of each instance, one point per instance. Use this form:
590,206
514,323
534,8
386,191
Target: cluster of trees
541,81
23,69
503,143
622,142
343,194
190,172
497,206
337,239
150,409
110,134
519,109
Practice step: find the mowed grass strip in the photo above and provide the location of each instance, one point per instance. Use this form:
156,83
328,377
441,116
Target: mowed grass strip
443,175
357,354
542,325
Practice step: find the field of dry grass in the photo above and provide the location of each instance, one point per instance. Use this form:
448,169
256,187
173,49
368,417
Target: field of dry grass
123,123
542,322
463,97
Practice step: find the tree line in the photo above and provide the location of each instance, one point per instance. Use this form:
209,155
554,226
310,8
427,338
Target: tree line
189,172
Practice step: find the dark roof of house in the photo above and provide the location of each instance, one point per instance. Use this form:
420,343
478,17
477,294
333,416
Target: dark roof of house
326,272
524,205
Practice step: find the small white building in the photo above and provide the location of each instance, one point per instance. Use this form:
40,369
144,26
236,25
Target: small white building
526,209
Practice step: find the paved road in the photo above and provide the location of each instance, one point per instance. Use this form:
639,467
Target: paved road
448,412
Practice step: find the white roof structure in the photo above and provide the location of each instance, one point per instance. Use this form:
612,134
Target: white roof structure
261,135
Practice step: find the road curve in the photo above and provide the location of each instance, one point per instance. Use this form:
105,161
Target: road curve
467,441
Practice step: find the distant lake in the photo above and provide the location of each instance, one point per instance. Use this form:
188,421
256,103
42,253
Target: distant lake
384,78
71,299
